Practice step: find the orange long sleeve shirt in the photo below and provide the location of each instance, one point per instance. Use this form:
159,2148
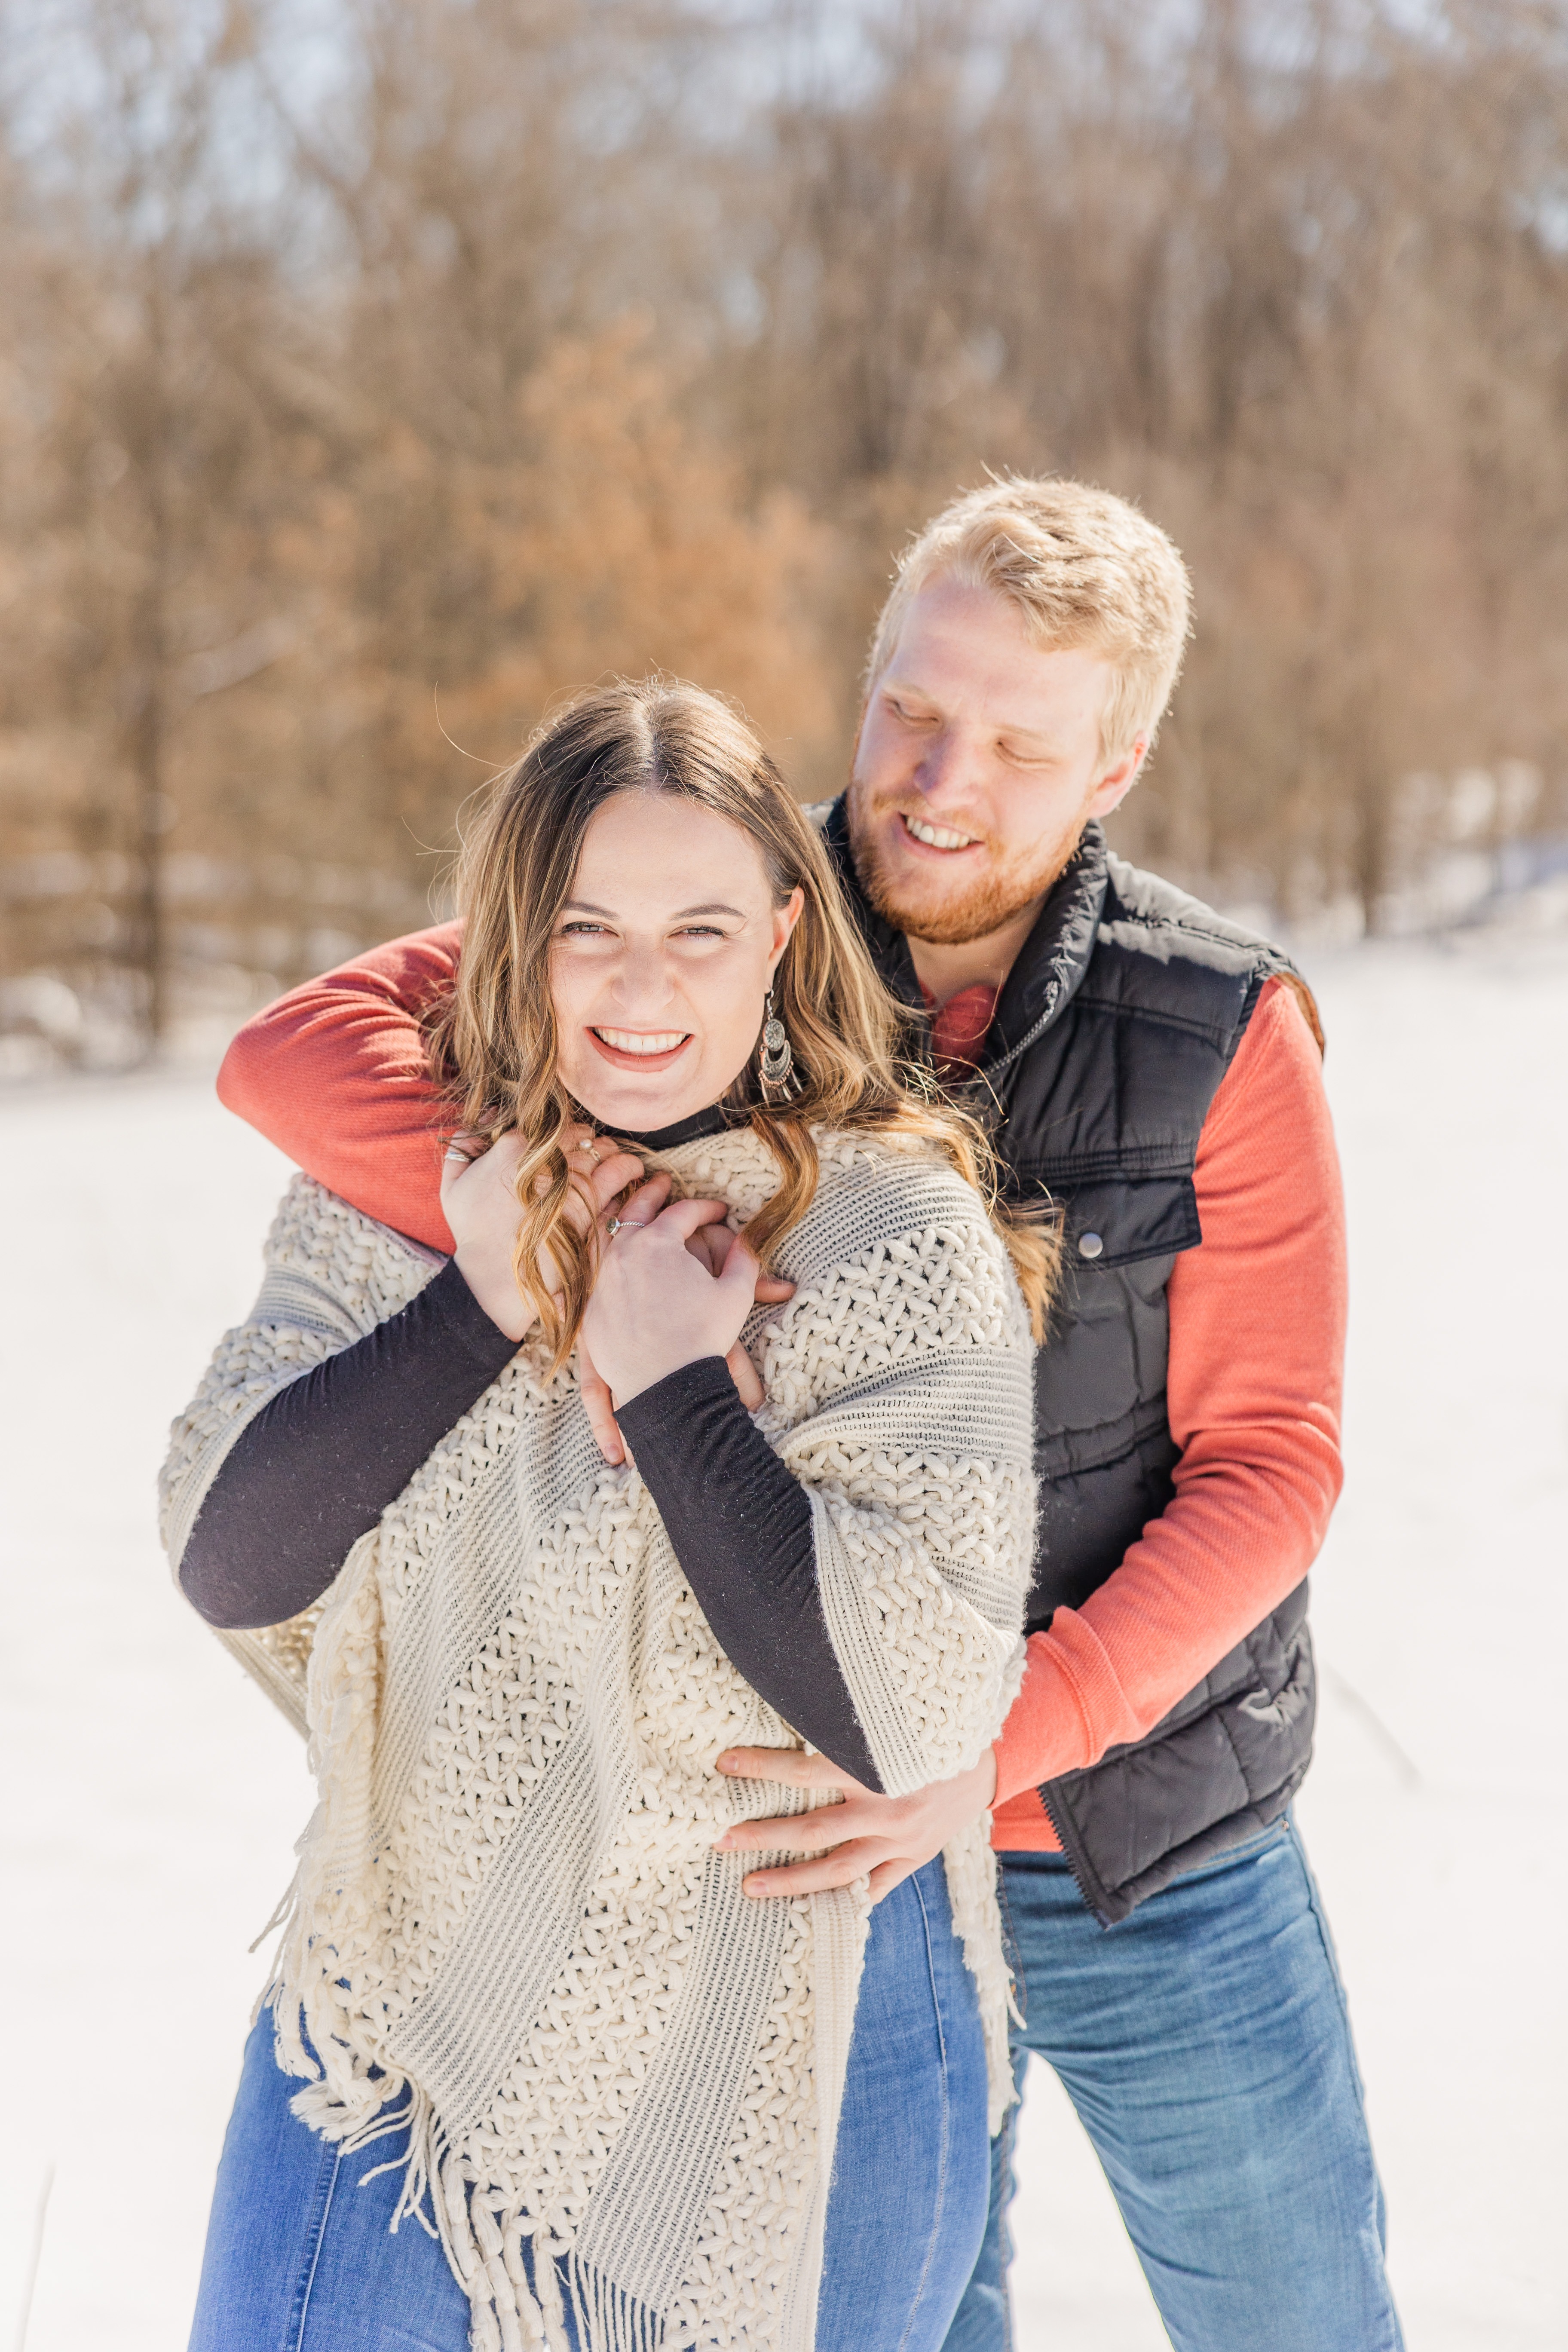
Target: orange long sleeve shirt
335,1073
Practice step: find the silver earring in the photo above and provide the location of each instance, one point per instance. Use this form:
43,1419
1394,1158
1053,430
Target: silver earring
778,1054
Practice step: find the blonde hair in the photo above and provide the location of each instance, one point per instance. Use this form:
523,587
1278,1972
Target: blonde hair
1084,568
494,1044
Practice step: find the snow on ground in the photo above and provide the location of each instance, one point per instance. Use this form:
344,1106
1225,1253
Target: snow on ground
154,1794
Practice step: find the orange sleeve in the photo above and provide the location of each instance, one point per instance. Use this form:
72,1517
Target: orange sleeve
335,1074
1257,1321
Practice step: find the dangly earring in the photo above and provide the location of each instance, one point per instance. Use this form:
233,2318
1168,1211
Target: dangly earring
777,1053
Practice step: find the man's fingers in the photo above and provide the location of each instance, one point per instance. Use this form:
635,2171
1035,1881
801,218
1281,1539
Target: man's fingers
840,1868
792,1768
813,1832
710,1245
889,1874
684,1217
744,1374
599,1406
710,1248
738,1280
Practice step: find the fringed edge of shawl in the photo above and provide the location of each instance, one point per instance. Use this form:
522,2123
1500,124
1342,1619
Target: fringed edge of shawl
971,1867
343,2101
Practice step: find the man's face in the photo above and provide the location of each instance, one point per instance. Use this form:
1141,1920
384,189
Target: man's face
977,767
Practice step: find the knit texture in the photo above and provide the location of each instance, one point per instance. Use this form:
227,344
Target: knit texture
507,1900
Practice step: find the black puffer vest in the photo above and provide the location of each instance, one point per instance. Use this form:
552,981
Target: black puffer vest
1112,1033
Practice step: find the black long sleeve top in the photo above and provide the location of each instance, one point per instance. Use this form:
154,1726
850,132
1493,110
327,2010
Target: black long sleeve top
320,1462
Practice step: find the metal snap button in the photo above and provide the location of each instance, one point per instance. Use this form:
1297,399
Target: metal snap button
1090,1244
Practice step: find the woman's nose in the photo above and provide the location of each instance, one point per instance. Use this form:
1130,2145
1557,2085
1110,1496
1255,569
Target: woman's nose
643,980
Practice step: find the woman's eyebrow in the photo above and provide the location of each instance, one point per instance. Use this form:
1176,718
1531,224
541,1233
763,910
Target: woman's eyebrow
684,915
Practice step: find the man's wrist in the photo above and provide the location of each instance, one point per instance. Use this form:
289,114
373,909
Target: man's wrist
1048,1730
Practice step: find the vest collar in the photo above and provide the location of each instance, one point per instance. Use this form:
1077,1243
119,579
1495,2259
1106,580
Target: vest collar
1049,968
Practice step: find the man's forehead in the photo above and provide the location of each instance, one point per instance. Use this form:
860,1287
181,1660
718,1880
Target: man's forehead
967,651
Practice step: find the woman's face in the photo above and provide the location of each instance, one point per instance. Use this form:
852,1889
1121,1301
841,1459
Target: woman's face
661,958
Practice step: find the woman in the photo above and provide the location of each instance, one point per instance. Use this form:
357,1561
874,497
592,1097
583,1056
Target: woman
517,1965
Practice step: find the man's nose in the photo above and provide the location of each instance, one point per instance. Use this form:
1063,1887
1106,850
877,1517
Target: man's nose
949,766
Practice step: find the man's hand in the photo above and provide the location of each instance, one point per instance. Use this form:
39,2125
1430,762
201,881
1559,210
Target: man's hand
886,1837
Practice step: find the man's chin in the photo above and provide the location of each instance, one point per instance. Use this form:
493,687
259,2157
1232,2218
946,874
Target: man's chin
924,904
947,919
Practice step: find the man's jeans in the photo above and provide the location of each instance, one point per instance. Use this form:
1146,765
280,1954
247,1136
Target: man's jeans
299,2258
1205,2044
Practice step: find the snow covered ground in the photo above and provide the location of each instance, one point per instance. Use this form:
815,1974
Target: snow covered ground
153,1795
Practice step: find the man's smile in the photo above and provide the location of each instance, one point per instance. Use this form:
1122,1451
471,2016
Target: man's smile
936,837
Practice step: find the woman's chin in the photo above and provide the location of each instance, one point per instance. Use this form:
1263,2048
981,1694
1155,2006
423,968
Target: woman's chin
625,1104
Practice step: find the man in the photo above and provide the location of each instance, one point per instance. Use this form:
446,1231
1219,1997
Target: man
1156,1071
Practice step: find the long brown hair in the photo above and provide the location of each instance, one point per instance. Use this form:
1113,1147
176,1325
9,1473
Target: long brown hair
494,1042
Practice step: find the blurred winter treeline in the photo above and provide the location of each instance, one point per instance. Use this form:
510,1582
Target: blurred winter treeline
375,369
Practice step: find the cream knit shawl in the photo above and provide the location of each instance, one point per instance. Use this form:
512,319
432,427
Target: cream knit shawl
507,1899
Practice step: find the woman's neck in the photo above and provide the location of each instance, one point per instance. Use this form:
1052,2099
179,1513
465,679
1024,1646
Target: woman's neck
712,1121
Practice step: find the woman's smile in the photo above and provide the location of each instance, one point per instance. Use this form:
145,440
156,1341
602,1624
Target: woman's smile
640,1049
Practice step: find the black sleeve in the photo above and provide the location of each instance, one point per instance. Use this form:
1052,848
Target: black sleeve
741,1524
321,1461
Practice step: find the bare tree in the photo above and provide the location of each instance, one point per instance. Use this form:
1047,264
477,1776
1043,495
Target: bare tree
349,410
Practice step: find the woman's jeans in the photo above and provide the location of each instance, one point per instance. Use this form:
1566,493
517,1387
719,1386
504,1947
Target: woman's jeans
299,2258
1205,2044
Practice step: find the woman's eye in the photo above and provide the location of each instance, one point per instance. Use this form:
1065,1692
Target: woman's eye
584,931
701,931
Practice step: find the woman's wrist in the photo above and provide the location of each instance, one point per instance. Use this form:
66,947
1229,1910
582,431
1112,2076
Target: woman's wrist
695,1376
656,1366
492,1279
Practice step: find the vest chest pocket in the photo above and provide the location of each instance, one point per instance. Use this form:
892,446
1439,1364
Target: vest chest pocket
1103,1446
1113,1221
1101,1376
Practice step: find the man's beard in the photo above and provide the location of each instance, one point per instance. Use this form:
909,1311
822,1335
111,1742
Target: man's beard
939,914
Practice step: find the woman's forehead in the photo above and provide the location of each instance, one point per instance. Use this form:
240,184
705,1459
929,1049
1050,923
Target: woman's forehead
659,853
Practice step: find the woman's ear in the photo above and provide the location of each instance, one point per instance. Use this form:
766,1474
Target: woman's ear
786,918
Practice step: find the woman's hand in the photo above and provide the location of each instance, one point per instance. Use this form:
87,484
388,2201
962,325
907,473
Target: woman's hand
656,1306
710,1245
886,1837
478,1196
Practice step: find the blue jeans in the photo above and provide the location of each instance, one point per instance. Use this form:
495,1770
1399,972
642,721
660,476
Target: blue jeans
1205,2044
299,2259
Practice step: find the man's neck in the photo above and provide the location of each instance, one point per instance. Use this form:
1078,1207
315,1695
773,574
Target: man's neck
943,971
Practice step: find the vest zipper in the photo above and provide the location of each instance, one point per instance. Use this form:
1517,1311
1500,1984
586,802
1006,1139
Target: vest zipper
1074,1861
